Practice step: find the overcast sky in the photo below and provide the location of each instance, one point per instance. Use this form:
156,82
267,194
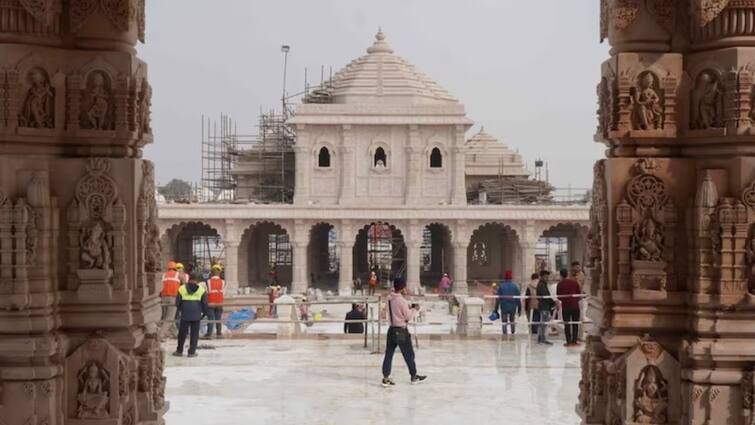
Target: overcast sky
524,69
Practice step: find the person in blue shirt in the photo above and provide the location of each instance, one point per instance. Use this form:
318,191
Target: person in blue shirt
508,302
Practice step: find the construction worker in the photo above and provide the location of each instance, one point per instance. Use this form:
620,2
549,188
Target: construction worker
191,304
215,289
171,282
182,275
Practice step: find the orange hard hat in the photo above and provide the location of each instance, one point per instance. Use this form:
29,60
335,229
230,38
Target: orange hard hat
171,265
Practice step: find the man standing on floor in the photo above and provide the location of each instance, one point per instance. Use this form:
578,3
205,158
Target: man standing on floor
215,298
171,283
508,301
568,291
356,313
531,303
545,306
400,314
191,304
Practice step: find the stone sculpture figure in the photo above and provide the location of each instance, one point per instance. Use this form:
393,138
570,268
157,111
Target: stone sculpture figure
93,397
649,241
98,110
706,102
95,249
39,105
647,109
651,397
152,249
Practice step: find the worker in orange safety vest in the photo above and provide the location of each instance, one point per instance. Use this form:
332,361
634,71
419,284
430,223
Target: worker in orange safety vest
171,283
215,288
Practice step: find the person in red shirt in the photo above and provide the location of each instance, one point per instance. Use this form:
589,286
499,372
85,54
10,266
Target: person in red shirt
568,291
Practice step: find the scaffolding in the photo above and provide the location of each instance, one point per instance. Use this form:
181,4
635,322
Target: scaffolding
248,167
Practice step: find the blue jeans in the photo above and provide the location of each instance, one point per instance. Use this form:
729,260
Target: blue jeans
214,313
399,337
545,317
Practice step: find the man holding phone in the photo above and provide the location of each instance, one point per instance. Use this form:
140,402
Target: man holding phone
400,313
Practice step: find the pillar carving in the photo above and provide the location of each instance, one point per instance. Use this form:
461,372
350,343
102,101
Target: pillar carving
459,188
79,243
299,243
303,164
231,267
671,231
413,243
413,166
348,164
460,243
346,258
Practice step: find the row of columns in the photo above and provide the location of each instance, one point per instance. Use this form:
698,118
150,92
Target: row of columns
522,248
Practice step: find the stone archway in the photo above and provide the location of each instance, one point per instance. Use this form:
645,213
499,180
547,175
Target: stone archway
559,245
436,253
322,257
196,244
493,249
265,256
380,247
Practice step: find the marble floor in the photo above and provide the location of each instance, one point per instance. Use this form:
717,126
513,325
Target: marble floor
312,382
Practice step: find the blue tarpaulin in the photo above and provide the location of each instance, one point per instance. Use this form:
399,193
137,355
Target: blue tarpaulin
237,318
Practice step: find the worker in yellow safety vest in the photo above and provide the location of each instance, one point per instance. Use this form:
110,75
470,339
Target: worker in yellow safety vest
170,284
191,304
215,289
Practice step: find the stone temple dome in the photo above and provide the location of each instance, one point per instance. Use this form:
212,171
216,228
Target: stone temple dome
383,77
486,156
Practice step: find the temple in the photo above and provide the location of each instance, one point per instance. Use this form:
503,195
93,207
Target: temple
386,180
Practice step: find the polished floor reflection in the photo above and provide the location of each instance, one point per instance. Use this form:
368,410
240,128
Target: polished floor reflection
337,382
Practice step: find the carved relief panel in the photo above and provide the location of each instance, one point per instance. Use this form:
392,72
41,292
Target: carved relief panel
96,381
647,219
96,222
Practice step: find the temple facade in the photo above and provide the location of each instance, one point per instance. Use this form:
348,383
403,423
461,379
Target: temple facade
671,239
386,179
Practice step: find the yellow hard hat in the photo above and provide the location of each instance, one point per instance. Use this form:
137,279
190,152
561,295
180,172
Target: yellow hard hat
217,267
179,266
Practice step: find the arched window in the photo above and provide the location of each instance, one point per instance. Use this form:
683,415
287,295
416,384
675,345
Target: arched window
323,158
436,158
380,160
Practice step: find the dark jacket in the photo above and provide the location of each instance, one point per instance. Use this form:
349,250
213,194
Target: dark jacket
188,310
544,304
565,291
354,328
506,291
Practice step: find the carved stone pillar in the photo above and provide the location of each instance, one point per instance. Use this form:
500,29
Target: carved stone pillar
301,179
346,259
80,248
671,252
459,189
460,285
231,270
299,243
348,166
413,167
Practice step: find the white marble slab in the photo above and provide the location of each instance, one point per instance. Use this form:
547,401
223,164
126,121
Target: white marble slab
308,382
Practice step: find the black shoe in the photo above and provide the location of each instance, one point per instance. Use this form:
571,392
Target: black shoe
178,354
207,336
418,379
547,343
387,383
192,355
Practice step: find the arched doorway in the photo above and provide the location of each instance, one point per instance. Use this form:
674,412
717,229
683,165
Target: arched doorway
436,254
559,246
493,249
266,256
195,244
323,257
380,247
